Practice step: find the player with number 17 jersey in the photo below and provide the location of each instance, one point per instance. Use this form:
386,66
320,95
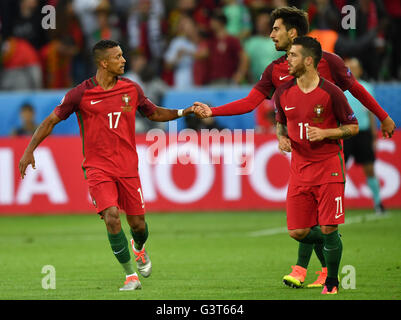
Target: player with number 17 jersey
107,124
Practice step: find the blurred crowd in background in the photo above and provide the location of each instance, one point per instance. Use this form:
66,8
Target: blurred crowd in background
183,43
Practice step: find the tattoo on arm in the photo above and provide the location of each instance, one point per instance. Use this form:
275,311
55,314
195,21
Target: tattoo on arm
346,133
281,130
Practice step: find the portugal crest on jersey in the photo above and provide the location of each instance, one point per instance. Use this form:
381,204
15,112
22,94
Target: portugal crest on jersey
318,110
126,99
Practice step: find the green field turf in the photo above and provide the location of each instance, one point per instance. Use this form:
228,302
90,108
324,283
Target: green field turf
229,256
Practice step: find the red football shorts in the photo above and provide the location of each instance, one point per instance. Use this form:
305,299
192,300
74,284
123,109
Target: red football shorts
123,193
308,206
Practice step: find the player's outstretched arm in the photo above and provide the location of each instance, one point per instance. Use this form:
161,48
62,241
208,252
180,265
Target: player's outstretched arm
163,114
241,106
388,127
44,129
343,132
360,93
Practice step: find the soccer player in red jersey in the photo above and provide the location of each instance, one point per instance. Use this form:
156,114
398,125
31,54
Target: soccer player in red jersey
308,111
105,106
289,23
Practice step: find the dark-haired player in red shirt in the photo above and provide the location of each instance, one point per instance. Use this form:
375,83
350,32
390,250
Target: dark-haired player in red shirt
309,110
105,106
288,23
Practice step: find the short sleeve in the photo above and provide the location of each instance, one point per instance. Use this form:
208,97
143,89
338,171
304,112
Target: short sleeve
145,106
69,103
340,73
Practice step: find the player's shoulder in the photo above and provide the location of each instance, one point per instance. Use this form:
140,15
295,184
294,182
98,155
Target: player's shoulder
129,82
280,60
133,85
330,87
85,85
275,63
75,94
332,58
286,86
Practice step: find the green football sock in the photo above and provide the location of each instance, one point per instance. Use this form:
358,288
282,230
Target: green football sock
140,238
374,186
304,253
119,245
306,245
318,247
332,251
314,236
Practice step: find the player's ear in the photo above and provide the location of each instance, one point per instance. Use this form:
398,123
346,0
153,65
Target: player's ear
103,63
292,33
309,61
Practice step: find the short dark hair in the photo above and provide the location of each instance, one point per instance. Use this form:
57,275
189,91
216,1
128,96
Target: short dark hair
292,18
27,106
310,48
102,45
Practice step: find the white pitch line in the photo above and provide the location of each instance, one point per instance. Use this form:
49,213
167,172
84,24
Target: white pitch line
348,221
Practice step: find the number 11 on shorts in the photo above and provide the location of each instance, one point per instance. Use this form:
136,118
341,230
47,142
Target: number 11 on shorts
140,193
339,211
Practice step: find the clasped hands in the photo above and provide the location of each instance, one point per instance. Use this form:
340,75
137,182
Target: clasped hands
201,110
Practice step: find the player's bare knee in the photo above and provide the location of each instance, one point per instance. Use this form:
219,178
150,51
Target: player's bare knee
112,219
328,229
298,234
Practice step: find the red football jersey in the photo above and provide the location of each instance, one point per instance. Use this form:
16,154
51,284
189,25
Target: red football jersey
106,120
330,67
313,163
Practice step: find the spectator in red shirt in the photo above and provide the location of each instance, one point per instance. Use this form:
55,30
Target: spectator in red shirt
21,66
228,62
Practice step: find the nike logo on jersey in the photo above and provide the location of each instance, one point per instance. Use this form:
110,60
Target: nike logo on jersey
338,215
288,108
282,78
94,102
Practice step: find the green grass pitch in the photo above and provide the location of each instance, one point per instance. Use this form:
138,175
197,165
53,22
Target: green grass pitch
223,256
